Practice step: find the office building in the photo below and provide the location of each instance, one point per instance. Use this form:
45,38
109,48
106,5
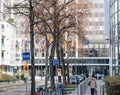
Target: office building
8,63
115,35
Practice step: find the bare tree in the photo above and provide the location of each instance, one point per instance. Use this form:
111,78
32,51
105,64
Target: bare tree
54,17
59,18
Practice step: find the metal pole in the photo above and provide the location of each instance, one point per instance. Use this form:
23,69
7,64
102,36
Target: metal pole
31,20
26,85
118,37
78,90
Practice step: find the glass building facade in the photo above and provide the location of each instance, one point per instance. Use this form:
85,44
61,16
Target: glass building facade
115,35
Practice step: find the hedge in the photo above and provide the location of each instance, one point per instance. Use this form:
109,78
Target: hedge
112,85
9,78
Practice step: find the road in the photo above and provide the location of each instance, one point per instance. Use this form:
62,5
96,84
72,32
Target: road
16,91
19,90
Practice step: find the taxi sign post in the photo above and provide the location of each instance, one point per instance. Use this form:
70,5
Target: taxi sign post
26,57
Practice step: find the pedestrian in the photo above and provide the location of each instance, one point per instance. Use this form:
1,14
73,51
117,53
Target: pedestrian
97,76
93,84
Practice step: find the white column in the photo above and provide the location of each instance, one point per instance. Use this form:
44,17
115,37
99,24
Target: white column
76,46
110,62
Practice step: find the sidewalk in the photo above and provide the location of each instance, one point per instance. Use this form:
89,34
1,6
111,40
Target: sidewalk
100,83
73,92
5,85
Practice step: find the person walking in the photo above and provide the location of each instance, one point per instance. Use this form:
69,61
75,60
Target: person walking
93,84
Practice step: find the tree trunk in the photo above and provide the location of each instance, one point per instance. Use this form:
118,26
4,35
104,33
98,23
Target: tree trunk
47,72
51,66
68,81
63,67
58,56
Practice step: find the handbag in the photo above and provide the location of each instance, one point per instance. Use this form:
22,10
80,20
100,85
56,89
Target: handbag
89,83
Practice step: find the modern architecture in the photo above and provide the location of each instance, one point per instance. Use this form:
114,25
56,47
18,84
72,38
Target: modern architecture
115,35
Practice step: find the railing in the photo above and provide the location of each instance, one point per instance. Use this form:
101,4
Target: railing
82,87
102,90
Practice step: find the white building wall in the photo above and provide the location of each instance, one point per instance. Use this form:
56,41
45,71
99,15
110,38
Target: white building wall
8,47
0,47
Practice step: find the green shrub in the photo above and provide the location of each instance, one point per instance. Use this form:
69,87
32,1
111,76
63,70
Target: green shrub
22,77
8,78
5,77
112,85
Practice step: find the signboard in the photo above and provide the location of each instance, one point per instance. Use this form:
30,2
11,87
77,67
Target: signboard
70,72
26,74
56,62
26,55
26,68
11,68
59,71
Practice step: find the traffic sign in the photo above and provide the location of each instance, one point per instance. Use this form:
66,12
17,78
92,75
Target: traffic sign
26,55
56,62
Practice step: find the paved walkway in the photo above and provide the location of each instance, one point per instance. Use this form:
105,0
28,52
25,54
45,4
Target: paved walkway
100,83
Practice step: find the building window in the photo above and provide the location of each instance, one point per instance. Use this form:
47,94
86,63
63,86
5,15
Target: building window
2,26
95,14
2,41
101,14
101,6
2,55
96,23
90,23
42,52
95,5
101,23
101,32
90,15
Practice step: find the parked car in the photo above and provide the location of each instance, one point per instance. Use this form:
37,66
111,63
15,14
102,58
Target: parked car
74,80
80,77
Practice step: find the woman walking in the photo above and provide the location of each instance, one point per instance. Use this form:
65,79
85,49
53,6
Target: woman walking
93,84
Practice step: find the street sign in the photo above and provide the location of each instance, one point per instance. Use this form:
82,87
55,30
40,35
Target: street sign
26,55
56,62
59,71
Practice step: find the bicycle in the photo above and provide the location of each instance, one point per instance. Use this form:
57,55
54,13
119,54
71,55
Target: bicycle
59,89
